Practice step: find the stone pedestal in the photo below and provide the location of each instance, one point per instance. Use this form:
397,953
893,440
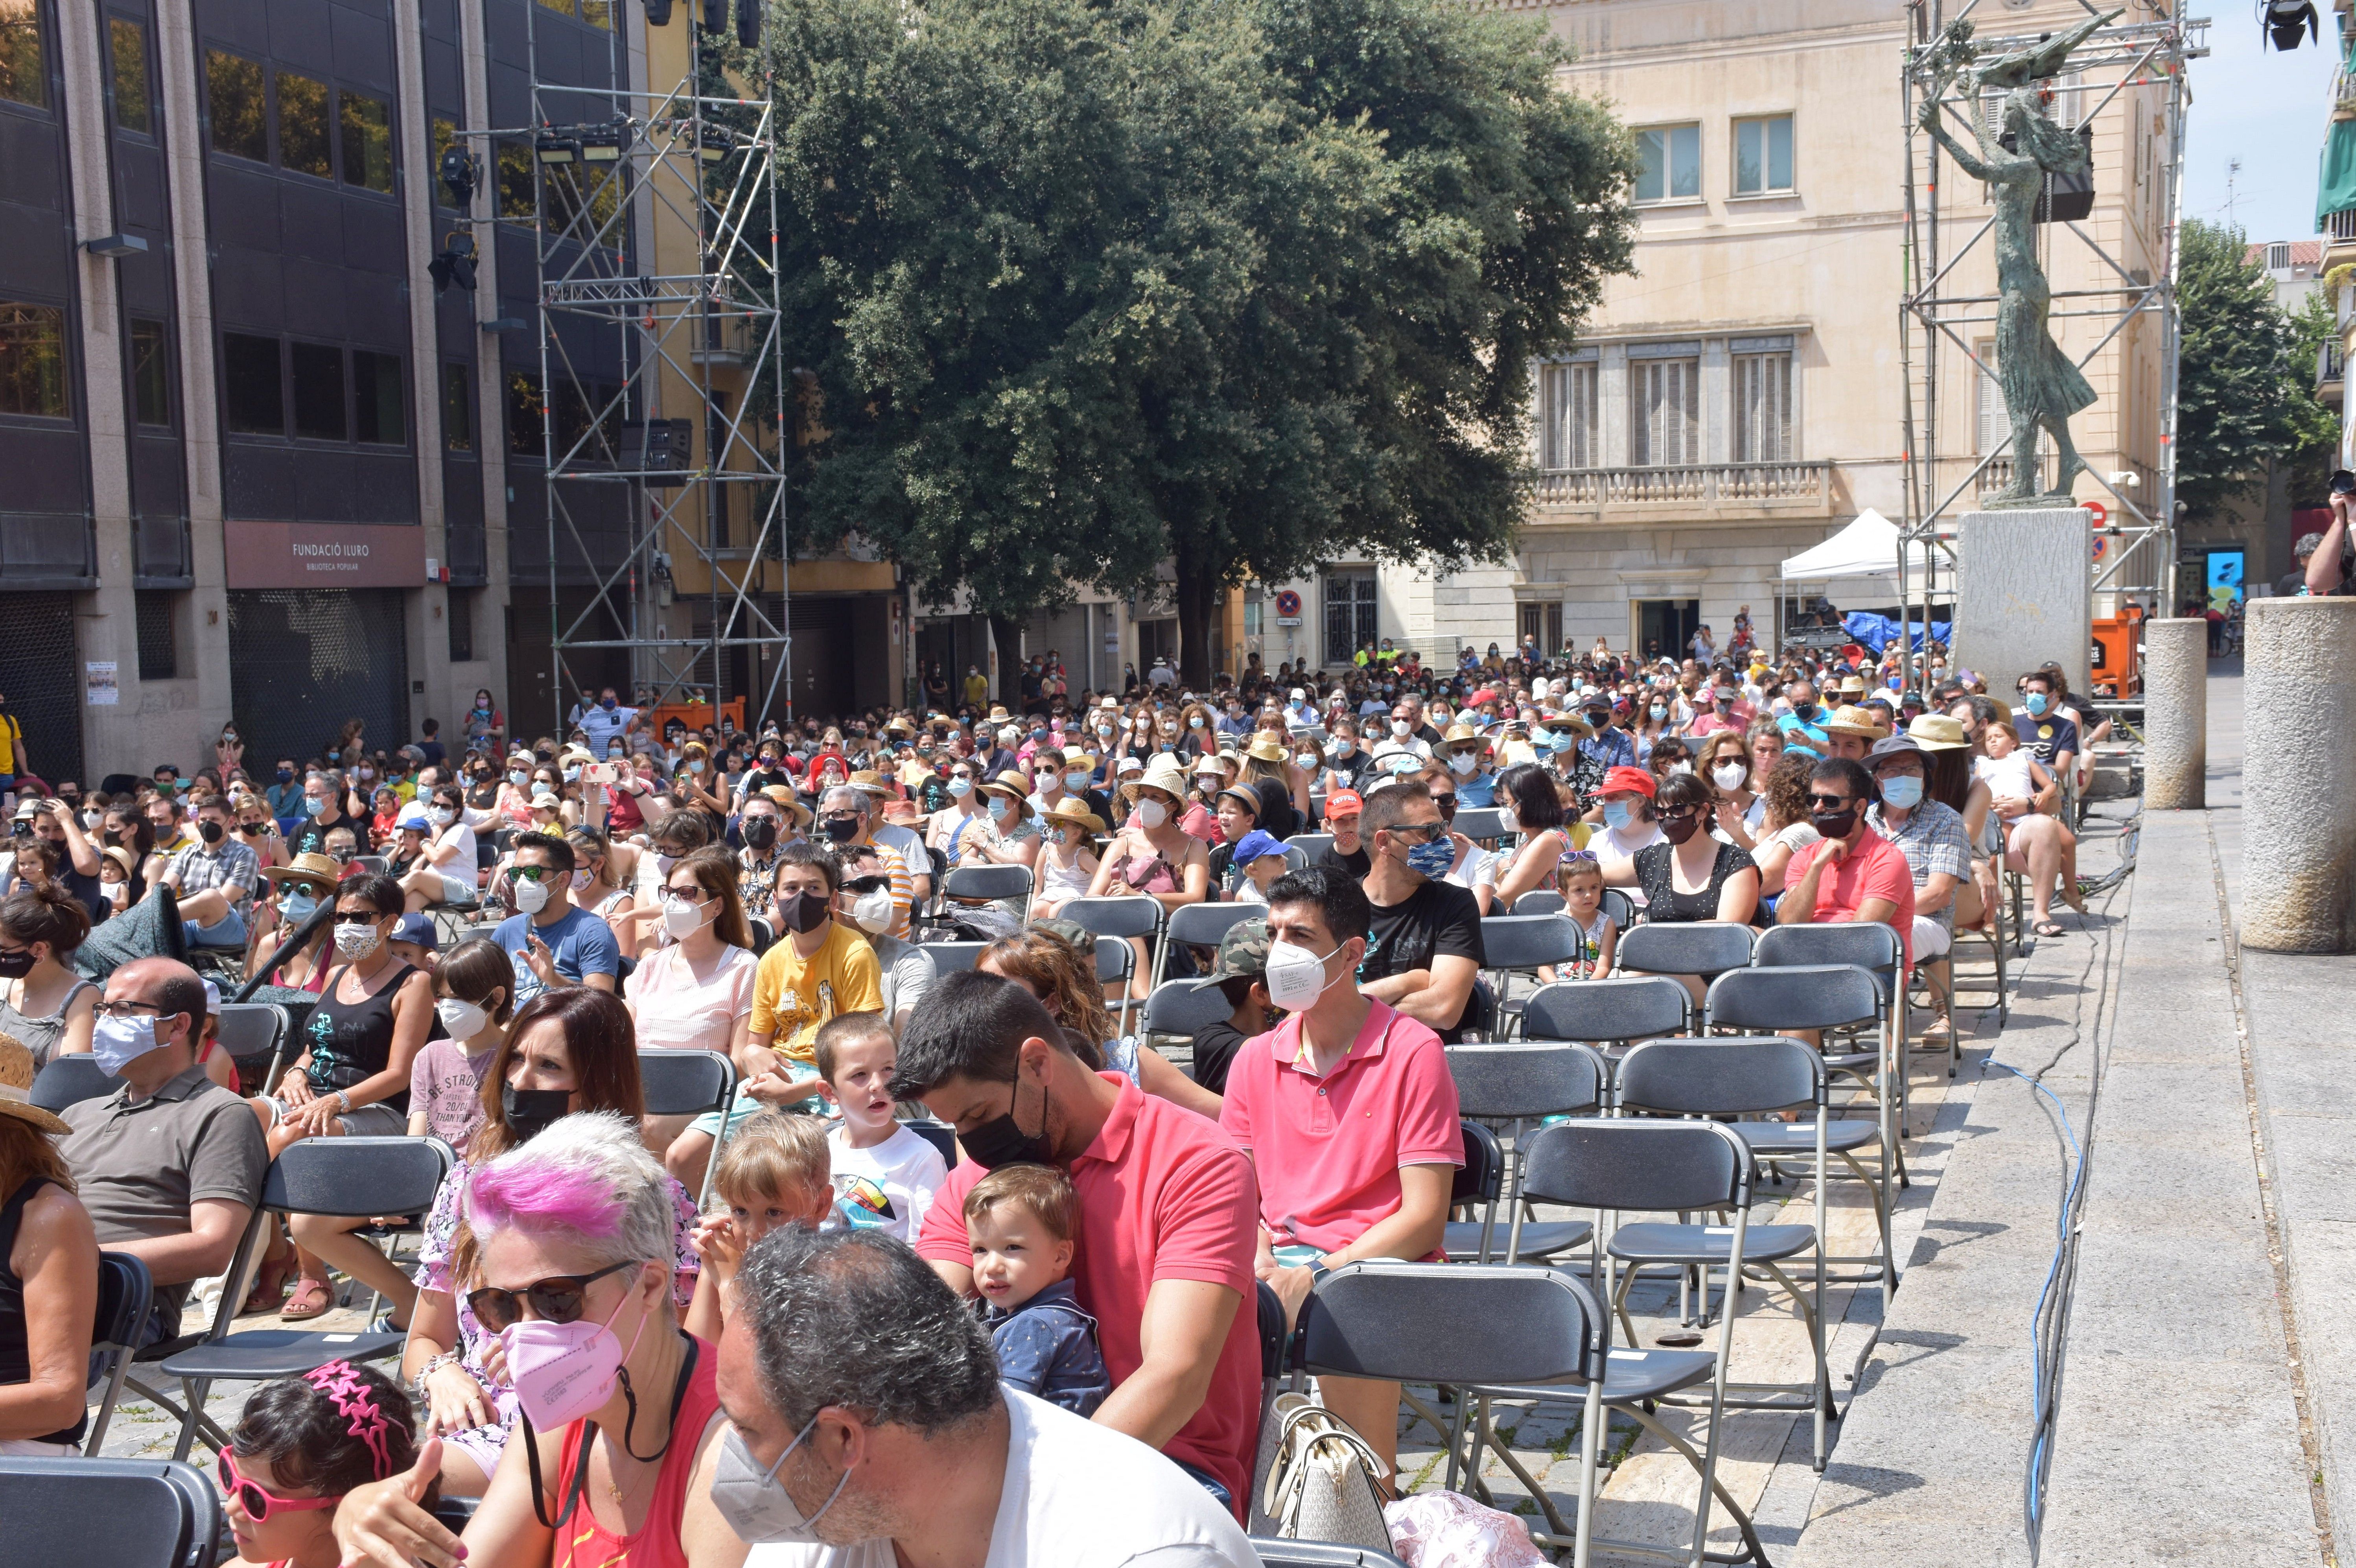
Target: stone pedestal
2024,595
2299,776
2176,714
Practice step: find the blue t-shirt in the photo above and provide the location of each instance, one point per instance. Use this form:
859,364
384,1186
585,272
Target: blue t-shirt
2045,735
583,943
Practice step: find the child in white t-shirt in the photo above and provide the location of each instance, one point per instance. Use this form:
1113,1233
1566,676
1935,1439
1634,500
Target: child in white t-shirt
884,1176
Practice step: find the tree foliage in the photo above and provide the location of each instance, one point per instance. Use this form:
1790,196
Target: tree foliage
1087,285
2245,391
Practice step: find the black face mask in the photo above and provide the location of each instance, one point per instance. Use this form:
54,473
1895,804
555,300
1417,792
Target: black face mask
760,832
1835,824
530,1111
1803,712
1677,830
210,832
1000,1141
842,830
16,965
805,912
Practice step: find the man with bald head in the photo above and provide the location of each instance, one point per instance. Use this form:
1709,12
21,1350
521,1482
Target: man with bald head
170,1164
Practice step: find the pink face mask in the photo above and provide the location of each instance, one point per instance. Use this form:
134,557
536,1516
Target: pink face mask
564,1372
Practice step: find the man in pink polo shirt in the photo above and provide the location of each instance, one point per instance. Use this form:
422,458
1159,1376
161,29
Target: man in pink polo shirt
1852,872
1166,1211
1349,1115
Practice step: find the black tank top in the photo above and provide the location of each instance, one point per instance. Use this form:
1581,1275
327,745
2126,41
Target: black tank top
16,1356
352,1041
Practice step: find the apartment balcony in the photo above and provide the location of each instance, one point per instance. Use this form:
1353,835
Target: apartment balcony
2339,240
1699,491
2330,371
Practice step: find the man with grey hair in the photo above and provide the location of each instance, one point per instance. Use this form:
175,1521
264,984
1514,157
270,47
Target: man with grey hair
2293,582
868,1428
846,819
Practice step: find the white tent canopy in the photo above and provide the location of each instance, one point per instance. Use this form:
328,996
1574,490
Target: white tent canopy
1863,559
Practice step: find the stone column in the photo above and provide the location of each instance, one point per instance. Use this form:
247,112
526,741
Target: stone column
2176,714
2298,798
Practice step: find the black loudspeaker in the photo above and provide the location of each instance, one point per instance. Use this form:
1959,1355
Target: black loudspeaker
748,23
657,448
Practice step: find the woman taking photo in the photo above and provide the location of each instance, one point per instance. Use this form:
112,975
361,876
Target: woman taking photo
696,993
48,1275
1724,763
695,787
569,1049
44,1005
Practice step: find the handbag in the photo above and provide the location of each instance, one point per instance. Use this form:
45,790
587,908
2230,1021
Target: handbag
1322,1484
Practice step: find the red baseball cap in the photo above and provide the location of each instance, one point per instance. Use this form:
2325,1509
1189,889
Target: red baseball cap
1621,780
1485,694
1345,801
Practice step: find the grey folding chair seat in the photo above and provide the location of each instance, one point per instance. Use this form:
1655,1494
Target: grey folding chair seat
1704,947
1540,901
1650,1241
951,958
69,1080
109,1513
1274,1551
991,883
1523,944
1479,1183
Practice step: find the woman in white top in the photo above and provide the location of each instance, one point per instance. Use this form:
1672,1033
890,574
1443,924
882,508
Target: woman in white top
695,993
1724,763
1068,864
447,874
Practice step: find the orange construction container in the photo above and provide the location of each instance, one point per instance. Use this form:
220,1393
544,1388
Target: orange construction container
695,715
2117,669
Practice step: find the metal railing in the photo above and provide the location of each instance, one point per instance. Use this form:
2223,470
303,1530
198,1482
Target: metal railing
2331,363
2340,226
1794,482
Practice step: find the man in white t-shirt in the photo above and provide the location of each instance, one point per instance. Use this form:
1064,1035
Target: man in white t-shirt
865,1411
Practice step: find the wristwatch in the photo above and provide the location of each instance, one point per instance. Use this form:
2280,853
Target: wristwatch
1318,1269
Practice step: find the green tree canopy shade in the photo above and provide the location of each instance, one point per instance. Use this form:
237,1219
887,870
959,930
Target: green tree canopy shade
2246,389
1084,285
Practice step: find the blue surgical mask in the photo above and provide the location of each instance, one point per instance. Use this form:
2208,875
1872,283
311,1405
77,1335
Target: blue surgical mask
316,804
1904,792
518,777
1431,859
2036,702
573,774
1617,816
116,1042
299,906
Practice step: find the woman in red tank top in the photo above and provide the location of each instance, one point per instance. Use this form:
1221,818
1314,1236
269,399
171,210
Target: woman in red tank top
612,1468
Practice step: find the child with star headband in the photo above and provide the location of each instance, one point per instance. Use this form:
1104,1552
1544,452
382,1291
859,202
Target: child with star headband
302,1444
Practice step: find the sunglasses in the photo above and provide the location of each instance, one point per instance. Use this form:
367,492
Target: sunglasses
257,1500
532,873
1430,831
1446,804
866,884
556,1299
692,893
1828,802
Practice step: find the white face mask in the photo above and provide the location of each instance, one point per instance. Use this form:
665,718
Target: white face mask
1399,728
354,943
461,1020
1150,814
1296,977
681,918
1681,767
1463,762
530,897
872,912
1507,819
1728,776
442,816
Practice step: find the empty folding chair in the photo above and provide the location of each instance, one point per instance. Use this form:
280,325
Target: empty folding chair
127,1292
949,958
1610,1014
1523,944
1516,1084
69,1080
109,1513
1757,1078
1540,901
1011,883
1821,997
346,1177
1137,916
1483,824
253,1033
1706,949
690,1083
1872,946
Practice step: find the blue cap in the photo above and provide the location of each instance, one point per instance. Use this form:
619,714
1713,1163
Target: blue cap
1255,843
418,928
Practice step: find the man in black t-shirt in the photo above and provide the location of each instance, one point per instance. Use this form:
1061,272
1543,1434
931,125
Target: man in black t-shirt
1348,851
2049,737
1424,951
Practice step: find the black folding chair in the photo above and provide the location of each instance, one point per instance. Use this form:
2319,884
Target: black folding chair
346,1177
940,1136
1483,824
1704,947
1622,909
1610,1014
1309,845
1276,1553
1872,946
69,1080
1137,915
1540,901
1828,999
1516,1083
1178,1008
952,958
1524,944
253,1033
690,1083
109,1513
126,1295
1206,925
991,883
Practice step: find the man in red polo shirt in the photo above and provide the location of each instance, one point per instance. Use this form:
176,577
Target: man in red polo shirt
1167,1216
1852,872
1350,1116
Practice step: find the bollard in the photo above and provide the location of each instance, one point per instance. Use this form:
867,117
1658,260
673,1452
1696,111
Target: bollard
2299,776
2176,714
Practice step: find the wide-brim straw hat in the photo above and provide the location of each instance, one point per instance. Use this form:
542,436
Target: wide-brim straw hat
1266,747
16,1088
1855,721
1163,774
1071,809
1937,732
314,871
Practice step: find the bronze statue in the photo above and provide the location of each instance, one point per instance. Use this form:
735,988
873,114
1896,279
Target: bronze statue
2042,387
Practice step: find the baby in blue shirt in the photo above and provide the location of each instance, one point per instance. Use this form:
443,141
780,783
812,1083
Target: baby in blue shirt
1020,1222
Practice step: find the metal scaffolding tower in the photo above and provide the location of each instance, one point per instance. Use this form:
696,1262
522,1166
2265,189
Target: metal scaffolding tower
2138,543
656,228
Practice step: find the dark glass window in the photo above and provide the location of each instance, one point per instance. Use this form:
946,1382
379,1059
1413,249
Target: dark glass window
319,392
32,359
152,612
151,373
462,625
256,392
133,110
24,69
515,182
445,132
526,436
234,103
367,141
303,126
378,415
458,406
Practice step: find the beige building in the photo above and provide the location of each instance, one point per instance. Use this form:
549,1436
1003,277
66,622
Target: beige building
1739,399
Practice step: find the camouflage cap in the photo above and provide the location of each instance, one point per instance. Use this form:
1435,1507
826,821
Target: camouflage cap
1243,954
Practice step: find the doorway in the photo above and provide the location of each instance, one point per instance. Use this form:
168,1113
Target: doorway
1664,627
1543,624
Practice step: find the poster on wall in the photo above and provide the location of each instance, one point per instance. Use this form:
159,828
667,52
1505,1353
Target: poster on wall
98,681
2225,579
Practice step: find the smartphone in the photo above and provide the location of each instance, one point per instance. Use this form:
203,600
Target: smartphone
597,773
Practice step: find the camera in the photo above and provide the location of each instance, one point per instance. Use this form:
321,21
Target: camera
2343,482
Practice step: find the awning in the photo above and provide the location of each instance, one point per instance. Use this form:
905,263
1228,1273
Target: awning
2335,178
1862,558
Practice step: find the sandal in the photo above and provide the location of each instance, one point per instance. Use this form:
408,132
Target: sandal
269,1286
2047,929
1939,1031
311,1299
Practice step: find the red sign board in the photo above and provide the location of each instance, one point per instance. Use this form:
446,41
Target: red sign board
2098,512
1288,603
325,554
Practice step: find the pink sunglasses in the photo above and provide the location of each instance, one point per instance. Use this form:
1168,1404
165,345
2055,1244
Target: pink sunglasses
257,1500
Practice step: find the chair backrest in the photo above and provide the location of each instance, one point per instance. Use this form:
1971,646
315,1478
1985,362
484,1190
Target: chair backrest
1270,1309
1526,941
375,865
248,1030
1203,925
69,1080
1868,944
1445,1323
156,1513
1296,858
1138,914
1309,845
1817,996
988,882
1621,907
949,958
356,1177
1719,1077
685,1083
1698,947
1624,1009
125,1292
1540,901
1633,1163
1481,1177
1183,1006
1520,1078
940,1136
1115,961
1479,821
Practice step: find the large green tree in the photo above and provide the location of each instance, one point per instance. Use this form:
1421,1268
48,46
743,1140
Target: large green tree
2245,391
1084,285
